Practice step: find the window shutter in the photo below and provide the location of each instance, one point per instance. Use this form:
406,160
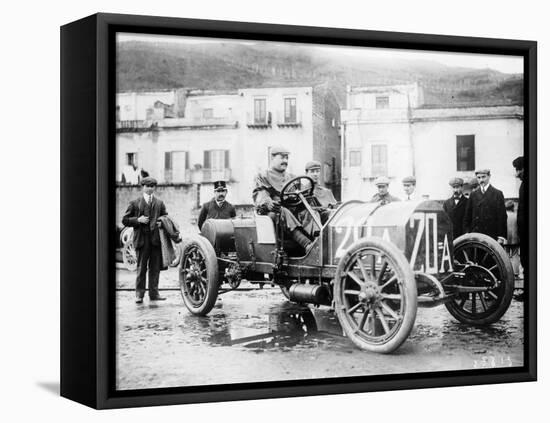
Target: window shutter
207,160
187,159
168,160
226,159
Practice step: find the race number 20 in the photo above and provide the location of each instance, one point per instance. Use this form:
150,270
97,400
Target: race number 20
426,231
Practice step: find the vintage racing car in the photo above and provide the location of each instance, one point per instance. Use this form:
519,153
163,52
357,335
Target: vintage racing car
374,264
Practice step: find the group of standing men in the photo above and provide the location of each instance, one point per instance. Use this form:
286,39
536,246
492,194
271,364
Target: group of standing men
471,209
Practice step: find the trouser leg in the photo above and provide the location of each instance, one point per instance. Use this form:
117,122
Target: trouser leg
155,263
142,254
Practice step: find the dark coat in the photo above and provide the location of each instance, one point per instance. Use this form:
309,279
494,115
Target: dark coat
486,213
139,207
456,213
211,210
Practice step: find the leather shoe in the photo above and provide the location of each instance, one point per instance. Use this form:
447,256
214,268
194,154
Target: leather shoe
159,298
139,300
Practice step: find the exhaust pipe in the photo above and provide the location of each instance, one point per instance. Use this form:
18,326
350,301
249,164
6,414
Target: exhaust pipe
306,293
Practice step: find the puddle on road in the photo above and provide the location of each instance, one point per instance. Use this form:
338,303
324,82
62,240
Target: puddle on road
284,326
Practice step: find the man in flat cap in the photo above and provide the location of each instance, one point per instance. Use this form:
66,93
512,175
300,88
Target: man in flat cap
267,198
217,207
456,206
383,196
409,186
143,215
519,166
485,210
469,185
324,195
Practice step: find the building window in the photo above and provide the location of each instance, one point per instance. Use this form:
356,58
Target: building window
465,152
355,158
259,111
216,159
131,159
379,154
382,102
290,110
207,113
176,164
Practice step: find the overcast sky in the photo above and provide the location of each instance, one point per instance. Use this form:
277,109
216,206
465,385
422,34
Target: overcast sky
505,64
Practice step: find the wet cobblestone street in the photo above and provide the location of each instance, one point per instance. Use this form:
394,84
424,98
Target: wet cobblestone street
256,335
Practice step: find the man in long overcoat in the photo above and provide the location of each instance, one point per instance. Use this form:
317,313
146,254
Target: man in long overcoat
485,210
456,206
142,214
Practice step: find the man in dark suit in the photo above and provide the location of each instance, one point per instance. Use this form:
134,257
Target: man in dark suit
518,164
217,207
456,206
142,215
485,210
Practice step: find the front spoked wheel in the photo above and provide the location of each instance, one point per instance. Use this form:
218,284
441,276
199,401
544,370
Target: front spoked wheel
375,295
198,274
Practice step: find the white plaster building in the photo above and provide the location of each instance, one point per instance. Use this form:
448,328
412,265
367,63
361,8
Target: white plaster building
227,136
389,131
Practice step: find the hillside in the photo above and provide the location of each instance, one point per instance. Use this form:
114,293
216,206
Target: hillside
229,66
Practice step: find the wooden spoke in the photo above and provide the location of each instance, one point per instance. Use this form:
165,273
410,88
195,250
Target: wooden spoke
354,308
356,278
390,281
391,296
389,310
363,320
473,303
382,320
382,271
362,268
465,255
484,257
483,302
370,324
461,305
475,255
491,269
492,294
351,292
373,267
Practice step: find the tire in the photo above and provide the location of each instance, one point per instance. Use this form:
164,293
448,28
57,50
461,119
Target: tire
486,261
129,256
198,275
386,298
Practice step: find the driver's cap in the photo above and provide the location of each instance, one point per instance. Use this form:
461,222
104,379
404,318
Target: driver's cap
278,149
382,180
314,164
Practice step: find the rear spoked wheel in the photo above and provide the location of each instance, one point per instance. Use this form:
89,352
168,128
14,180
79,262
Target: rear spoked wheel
488,273
375,295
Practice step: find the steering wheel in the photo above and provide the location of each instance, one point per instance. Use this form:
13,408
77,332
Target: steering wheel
290,192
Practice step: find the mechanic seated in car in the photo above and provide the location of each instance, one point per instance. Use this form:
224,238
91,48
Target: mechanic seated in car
323,196
297,221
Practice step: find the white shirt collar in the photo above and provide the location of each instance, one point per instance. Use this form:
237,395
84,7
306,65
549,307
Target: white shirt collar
148,198
485,188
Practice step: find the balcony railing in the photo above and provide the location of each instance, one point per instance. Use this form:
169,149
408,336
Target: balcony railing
172,176
134,125
253,122
285,122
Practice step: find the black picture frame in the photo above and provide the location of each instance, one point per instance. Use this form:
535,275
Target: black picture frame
87,208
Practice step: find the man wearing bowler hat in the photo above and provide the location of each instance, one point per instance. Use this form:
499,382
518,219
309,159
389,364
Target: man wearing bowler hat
485,210
217,207
323,195
456,206
143,215
383,196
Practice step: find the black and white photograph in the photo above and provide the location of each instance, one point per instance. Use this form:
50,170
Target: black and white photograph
293,211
